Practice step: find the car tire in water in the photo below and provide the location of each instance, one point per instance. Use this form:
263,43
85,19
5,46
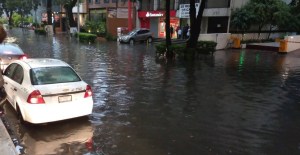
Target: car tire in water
20,116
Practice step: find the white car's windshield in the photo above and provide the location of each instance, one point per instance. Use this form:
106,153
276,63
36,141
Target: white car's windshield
52,75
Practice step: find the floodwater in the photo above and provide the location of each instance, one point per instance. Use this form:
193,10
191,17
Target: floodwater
233,102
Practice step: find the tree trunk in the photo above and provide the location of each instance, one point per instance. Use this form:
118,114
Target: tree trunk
69,13
167,27
49,12
9,15
195,23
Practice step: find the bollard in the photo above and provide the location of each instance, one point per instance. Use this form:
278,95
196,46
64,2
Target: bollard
236,43
283,46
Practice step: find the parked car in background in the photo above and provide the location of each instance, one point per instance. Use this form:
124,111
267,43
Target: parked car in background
10,52
46,90
25,25
136,35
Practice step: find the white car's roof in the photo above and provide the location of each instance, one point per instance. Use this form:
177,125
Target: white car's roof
44,62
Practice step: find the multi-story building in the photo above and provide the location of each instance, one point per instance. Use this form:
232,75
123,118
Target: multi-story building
216,15
151,15
113,12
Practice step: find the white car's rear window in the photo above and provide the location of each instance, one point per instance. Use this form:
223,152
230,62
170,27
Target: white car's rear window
52,75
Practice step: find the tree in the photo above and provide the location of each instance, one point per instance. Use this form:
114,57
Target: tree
241,19
279,15
68,6
49,12
9,7
295,13
35,4
195,23
167,27
268,13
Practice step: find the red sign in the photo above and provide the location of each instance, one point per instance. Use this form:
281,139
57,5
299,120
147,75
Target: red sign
150,14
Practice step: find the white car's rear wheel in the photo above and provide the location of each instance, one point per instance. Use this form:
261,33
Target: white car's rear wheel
20,116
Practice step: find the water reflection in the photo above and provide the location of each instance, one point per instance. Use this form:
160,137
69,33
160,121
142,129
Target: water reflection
66,137
232,102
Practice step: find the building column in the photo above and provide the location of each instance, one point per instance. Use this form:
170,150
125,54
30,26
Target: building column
155,7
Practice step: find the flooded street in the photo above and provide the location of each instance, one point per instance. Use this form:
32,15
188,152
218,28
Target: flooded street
234,102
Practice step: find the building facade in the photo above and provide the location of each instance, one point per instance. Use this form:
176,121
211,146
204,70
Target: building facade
152,14
113,12
216,15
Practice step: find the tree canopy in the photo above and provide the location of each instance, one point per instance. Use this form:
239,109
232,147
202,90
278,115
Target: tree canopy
68,6
265,14
22,7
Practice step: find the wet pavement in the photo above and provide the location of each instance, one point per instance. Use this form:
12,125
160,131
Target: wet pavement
234,102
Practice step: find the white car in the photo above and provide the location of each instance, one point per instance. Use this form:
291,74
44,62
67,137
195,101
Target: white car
46,90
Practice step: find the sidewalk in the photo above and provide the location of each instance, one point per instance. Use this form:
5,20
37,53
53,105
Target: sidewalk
6,145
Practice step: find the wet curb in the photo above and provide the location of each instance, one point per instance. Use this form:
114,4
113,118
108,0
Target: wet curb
7,147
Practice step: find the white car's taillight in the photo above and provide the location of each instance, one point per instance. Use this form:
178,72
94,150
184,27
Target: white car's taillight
35,98
23,57
88,91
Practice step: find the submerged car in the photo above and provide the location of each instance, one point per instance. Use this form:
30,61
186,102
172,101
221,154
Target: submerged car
10,52
46,90
137,35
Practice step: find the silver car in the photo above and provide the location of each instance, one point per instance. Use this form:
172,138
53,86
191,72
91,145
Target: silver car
10,52
137,35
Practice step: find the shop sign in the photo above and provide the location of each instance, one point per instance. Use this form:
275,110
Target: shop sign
184,10
149,14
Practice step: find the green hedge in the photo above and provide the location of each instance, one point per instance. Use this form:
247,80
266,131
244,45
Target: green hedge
86,37
40,31
202,47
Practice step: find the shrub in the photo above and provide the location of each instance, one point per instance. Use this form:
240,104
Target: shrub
36,25
160,48
110,37
180,49
3,20
95,27
206,46
86,37
40,31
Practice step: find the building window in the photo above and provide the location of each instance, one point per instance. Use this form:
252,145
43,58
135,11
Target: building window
97,1
162,4
106,1
114,1
90,1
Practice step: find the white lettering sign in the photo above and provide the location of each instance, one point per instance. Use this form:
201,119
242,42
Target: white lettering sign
184,10
149,14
